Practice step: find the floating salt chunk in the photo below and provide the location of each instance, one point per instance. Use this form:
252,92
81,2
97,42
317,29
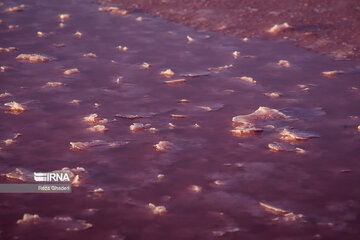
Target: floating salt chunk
113,10
41,34
8,49
239,165
273,94
98,129
220,68
293,136
175,82
358,128
79,146
75,101
167,73
89,55
128,116
183,101
15,108
195,188
76,181
171,126
98,190
135,127
97,105
163,146
331,74
139,19
71,71
78,34
145,65
15,9
19,175
177,116
70,224
277,28
63,17
219,183
245,39
236,54
54,84
153,130
190,39
196,125
283,63
13,27
9,142
5,94
94,119
206,108
272,209
261,114
160,176
157,210
29,219
282,147
119,79
196,74
33,58
290,217
247,79
3,68
246,130
61,25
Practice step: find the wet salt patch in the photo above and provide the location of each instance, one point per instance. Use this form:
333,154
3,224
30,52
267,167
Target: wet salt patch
273,94
136,127
78,34
168,73
164,146
80,146
63,17
15,9
190,39
175,82
34,58
236,54
284,147
294,136
54,84
59,45
196,126
277,28
285,216
89,55
272,209
212,107
332,74
221,68
97,129
129,116
15,108
145,65
247,79
157,210
196,74
5,94
284,63
113,10
29,219
71,71
19,175
94,119
11,141
70,224
226,230
8,49
261,114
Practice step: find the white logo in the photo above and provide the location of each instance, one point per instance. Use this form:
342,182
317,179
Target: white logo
52,177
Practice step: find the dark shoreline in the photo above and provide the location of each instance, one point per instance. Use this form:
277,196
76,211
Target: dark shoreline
329,27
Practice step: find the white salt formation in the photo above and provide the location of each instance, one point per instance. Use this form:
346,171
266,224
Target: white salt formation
277,28
294,136
285,216
5,94
71,71
261,114
29,219
145,65
217,69
54,84
15,108
15,9
63,17
190,39
128,116
183,101
236,54
41,34
163,146
3,68
8,49
135,127
70,224
113,10
94,119
19,175
97,129
33,58
167,73
284,147
171,126
75,101
89,55
175,82
273,94
246,130
195,188
13,27
283,63
79,146
78,34
331,74
248,79
157,210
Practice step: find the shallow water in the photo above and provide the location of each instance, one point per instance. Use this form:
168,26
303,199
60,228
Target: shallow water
311,183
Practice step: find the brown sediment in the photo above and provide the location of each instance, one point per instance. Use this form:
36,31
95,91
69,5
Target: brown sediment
330,27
